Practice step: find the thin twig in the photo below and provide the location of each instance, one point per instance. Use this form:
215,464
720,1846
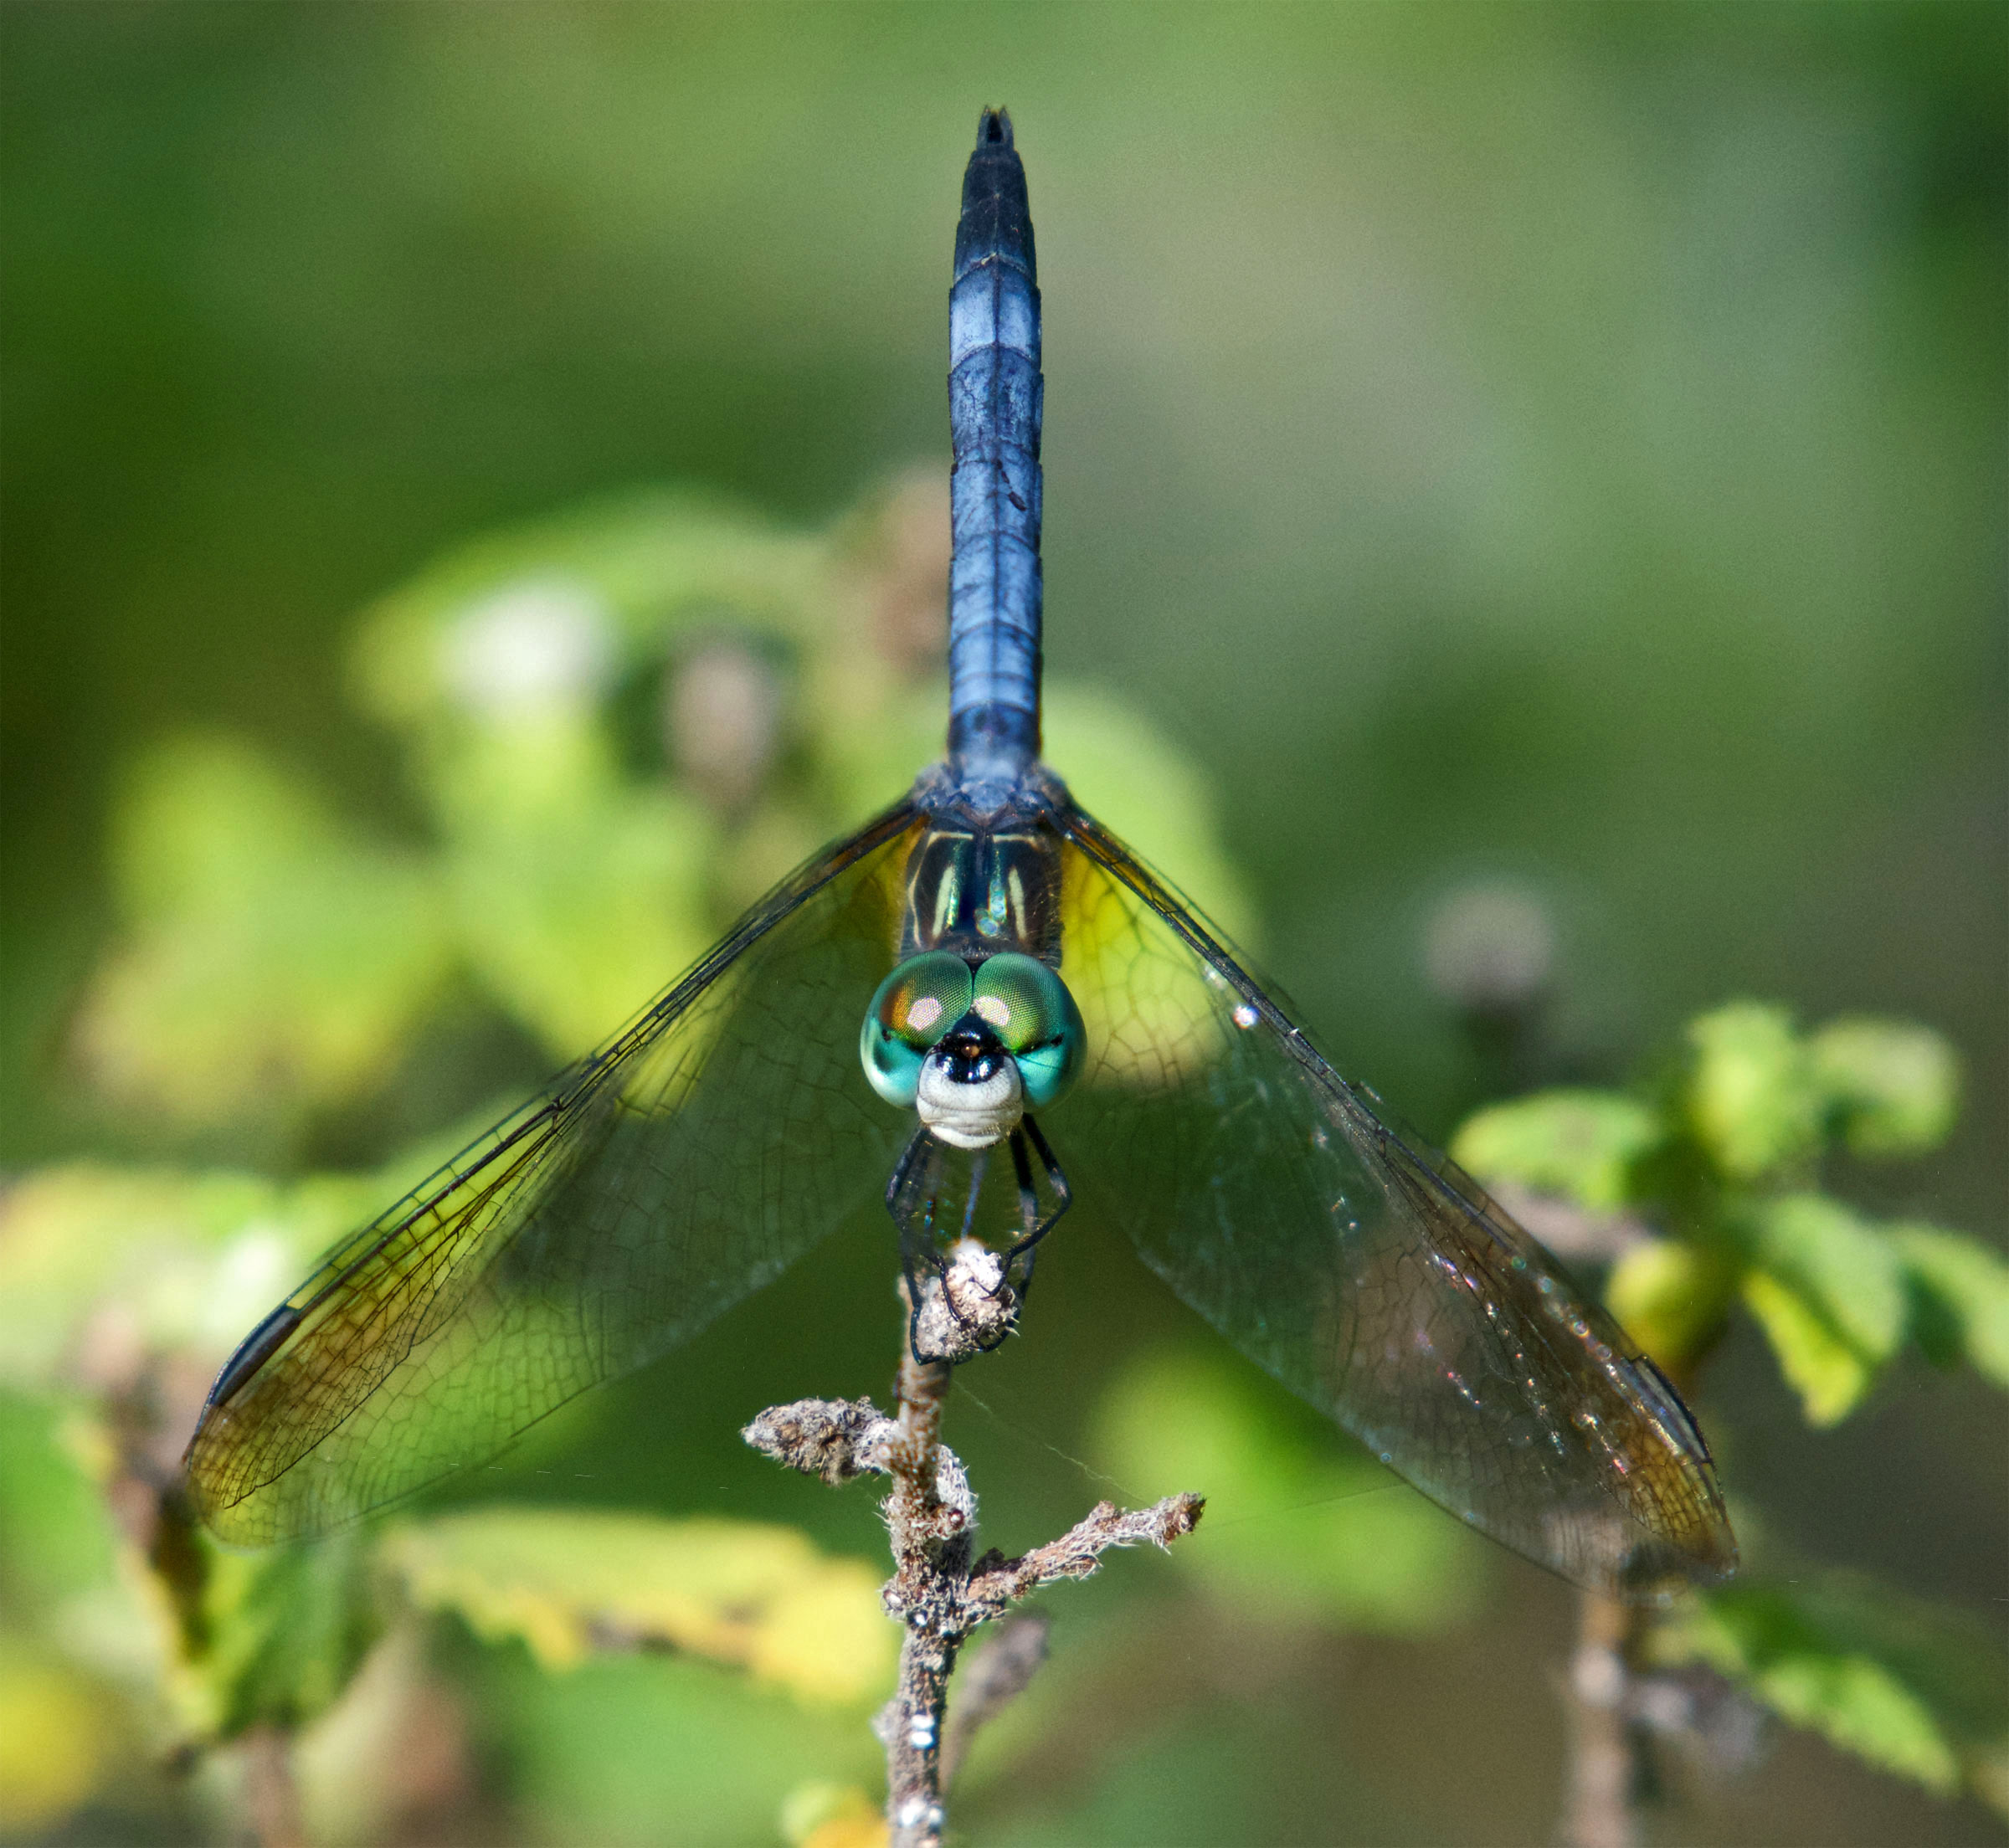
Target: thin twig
271,1793
1598,1811
994,1676
937,1593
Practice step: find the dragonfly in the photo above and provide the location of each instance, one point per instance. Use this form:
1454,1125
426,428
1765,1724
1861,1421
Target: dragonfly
982,1008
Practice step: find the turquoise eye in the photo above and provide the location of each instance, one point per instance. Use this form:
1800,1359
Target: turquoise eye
1029,1007
915,1005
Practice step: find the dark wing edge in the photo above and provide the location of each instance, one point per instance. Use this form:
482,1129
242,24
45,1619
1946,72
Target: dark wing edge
454,1195
1471,1232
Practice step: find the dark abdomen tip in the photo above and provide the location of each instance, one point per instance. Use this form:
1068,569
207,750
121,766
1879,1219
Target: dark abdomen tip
996,224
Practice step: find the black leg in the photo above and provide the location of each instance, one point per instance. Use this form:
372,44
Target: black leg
913,1200
910,1200
977,1164
1063,1194
1029,1213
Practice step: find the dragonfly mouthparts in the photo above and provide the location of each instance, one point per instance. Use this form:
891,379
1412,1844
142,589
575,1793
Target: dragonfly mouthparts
970,1093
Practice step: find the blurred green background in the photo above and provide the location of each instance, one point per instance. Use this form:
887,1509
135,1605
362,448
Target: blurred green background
1552,451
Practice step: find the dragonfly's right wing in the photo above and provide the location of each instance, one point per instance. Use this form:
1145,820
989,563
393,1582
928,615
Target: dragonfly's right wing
659,1181
1380,1284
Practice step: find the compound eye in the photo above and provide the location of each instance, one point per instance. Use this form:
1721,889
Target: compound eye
1028,1006
915,1005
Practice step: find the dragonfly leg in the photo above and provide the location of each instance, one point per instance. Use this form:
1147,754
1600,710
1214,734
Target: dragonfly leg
910,1200
1029,1213
934,1249
1036,1227
913,1199
976,1187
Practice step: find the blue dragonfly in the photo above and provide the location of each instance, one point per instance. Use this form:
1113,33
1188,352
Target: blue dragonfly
903,1017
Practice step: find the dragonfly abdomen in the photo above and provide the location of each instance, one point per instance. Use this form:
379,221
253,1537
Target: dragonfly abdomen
994,400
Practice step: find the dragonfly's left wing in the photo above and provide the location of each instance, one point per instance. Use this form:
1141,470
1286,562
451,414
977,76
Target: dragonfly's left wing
1382,1286
658,1182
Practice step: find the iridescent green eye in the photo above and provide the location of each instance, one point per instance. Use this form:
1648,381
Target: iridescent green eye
1029,1007
915,1005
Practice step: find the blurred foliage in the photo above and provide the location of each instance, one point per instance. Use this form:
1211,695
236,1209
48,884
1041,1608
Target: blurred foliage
565,1582
1725,1160
53,1739
269,1639
1294,1534
1899,1683
823,1815
269,954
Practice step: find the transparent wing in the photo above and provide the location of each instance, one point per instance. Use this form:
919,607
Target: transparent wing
658,1182
1383,1287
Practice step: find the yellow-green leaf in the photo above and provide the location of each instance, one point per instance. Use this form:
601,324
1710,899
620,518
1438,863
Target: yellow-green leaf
1849,1270
576,920
566,1582
284,1630
1894,1088
166,1262
1830,1293
1581,1144
553,611
1830,1376
1752,1099
1672,1297
271,958
1919,1691
1862,1707
1960,1298
97,1261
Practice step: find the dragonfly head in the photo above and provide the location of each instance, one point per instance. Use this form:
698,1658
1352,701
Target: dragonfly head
972,1047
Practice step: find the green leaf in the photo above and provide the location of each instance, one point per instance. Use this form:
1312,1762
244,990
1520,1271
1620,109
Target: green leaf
565,1582
285,1631
1830,1293
821,1815
1918,1690
550,615
1672,1297
1892,1088
1830,1376
97,1263
1581,1144
1959,1299
163,1261
578,898
59,1734
1296,1532
1848,1269
57,1538
271,959
1751,1096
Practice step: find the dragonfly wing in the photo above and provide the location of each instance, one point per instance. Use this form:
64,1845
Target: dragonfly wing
658,1182
1381,1285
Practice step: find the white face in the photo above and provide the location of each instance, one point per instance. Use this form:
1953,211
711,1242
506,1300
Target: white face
970,1115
